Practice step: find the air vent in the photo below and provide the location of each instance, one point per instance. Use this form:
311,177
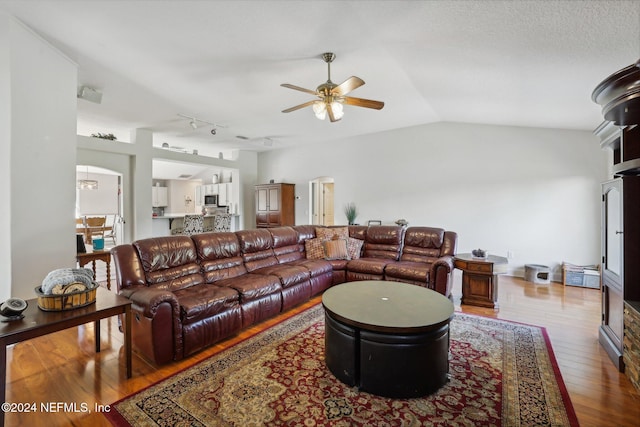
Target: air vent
184,176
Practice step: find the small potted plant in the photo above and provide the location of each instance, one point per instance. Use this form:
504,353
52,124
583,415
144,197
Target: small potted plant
351,212
109,136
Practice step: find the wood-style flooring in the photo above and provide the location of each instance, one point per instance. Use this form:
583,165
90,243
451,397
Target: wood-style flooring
63,367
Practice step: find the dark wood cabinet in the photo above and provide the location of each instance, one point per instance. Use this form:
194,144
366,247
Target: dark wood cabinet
620,236
620,133
275,205
620,254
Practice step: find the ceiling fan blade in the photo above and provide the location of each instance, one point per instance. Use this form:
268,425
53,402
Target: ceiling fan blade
361,102
347,86
301,89
297,107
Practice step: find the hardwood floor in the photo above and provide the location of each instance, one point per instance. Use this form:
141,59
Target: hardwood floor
62,367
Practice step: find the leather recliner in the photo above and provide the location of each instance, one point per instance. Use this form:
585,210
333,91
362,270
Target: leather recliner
426,259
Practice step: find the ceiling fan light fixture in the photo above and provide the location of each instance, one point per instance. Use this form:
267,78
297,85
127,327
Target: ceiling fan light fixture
320,110
193,124
337,109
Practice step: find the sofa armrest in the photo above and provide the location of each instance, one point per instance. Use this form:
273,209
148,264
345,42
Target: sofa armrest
441,275
149,299
129,272
157,327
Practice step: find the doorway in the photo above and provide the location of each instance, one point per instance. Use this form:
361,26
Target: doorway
321,207
102,199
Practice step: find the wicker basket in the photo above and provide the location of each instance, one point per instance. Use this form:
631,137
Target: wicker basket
66,301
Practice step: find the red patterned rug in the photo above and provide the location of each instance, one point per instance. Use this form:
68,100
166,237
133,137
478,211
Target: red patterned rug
502,374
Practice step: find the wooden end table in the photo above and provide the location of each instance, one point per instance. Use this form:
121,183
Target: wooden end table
480,278
91,257
37,322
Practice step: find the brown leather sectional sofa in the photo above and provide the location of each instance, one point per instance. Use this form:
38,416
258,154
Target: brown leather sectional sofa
188,293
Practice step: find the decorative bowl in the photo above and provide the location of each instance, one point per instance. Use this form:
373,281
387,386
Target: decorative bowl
479,253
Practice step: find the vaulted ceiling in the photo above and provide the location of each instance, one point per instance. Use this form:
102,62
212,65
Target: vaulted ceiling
520,63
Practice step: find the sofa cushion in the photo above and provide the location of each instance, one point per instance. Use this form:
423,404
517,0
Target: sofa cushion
383,241
256,247
305,232
219,255
203,301
332,233
286,246
314,249
354,247
335,249
368,265
339,264
289,275
316,267
252,286
408,270
422,244
169,262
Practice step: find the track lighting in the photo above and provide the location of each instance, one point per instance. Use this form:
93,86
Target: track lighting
194,122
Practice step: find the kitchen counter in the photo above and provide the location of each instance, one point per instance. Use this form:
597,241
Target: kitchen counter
174,216
169,224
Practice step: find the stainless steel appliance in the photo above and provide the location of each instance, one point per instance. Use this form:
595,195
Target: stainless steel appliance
211,200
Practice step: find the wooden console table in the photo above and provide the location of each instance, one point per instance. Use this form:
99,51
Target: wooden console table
93,256
37,322
480,278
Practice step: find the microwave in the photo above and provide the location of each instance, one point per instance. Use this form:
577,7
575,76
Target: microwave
211,200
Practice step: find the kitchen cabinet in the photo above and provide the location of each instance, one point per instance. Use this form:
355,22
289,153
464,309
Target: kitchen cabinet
159,197
275,205
210,189
225,194
199,199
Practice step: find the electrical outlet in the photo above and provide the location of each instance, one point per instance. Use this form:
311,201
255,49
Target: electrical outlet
509,254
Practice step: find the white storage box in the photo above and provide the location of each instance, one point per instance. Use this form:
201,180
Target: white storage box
587,276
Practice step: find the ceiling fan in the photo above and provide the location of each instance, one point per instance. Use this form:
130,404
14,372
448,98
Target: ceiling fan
332,96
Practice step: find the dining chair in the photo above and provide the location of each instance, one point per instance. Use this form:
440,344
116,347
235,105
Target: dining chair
193,224
111,233
95,226
222,222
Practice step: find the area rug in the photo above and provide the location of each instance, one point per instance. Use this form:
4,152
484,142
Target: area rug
501,374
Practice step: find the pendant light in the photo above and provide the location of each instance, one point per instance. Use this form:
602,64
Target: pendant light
87,184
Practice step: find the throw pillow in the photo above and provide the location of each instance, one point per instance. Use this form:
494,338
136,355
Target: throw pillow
332,233
314,249
336,249
354,247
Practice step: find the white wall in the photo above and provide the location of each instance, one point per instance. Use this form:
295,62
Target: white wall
534,192
178,191
101,201
5,158
41,108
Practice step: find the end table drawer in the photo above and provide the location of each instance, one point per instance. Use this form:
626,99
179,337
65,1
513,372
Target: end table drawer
470,266
480,267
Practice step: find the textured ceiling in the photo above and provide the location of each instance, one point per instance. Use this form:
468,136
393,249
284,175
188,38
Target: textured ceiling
521,63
